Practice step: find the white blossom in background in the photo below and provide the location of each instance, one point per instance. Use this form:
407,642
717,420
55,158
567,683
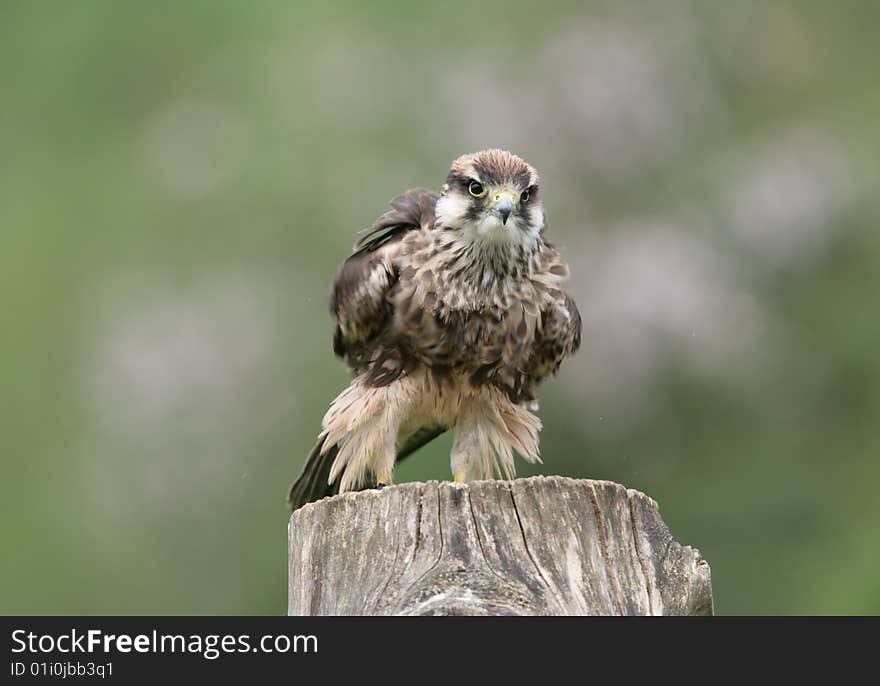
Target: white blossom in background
784,195
178,381
630,92
193,146
651,293
624,93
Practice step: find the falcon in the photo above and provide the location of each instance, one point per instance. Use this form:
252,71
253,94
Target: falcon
449,312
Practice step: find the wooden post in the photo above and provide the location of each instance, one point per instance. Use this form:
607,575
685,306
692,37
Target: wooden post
543,545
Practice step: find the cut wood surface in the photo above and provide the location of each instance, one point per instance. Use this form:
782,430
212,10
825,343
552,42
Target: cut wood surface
542,545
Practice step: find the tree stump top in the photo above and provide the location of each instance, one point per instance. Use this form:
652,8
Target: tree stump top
541,545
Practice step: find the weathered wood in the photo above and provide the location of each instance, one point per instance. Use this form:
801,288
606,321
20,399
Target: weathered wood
543,545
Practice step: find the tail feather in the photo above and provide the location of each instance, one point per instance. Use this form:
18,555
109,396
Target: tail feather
313,483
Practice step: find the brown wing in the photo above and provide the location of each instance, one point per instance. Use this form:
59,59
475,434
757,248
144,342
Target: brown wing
359,302
559,334
410,210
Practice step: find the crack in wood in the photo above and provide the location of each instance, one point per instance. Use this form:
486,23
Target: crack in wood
613,583
480,541
540,555
550,589
392,569
649,581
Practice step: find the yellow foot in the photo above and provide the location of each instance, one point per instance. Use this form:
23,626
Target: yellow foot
459,477
383,480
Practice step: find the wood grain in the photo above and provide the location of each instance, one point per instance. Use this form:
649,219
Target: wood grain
536,546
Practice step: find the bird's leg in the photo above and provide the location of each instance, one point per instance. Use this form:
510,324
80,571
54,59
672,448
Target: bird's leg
364,422
469,446
386,452
459,457
465,453
383,481
488,429
383,461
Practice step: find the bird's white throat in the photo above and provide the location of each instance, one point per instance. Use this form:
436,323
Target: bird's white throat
491,228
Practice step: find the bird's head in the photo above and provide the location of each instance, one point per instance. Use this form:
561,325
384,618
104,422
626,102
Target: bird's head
492,196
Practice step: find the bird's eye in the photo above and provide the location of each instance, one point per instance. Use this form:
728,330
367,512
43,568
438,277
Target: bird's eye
525,195
476,189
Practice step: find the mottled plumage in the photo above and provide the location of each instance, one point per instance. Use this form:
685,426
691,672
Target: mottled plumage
449,312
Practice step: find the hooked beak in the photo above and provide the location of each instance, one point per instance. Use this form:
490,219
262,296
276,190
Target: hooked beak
504,205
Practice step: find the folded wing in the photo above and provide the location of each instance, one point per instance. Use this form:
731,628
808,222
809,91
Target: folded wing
359,302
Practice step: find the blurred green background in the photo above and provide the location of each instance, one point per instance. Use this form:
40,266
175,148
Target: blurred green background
181,180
